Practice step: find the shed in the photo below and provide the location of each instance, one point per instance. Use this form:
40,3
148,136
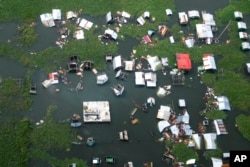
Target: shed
85,24
139,78
223,103
57,14
204,31
193,14
169,12
117,62
141,20
146,14
243,36
208,62
245,46
183,61
124,14
146,39
47,20
181,103
242,26
183,18
238,15
109,18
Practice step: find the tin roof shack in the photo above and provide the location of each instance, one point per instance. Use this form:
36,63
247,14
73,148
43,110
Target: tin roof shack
53,79
109,18
183,61
220,127
96,111
154,62
57,14
47,20
117,62
193,14
146,39
204,31
140,20
151,79
242,26
163,30
245,46
79,34
183,18
71,15
169,12
243,36
217,162
101,78
87,65
208,18
210,140
238,15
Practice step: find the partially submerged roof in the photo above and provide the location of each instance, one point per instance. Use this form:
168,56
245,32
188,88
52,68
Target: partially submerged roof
154,62
79,34
111,33
151,79
248,67
217,162
96,111
210,140
204,31
169,12
209,62
208,18
220,127
164,112
183,61
109,18
245,46
162,125
141,20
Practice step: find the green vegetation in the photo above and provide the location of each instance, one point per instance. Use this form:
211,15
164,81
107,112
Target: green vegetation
213,153
183,153
15,141
229,80
216,114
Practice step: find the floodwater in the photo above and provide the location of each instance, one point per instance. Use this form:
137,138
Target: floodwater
143,146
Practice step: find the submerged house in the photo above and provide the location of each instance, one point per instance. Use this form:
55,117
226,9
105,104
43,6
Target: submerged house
139,78
53,79
204,32
73,64
141,21
183,61
220,127
101,78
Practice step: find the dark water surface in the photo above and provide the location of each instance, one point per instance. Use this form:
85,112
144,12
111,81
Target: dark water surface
143,146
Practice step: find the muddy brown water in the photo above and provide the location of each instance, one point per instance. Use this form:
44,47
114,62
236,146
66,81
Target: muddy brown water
143,146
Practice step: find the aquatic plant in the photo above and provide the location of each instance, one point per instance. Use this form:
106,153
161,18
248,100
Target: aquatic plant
213,153
184,153
215,114
26,34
